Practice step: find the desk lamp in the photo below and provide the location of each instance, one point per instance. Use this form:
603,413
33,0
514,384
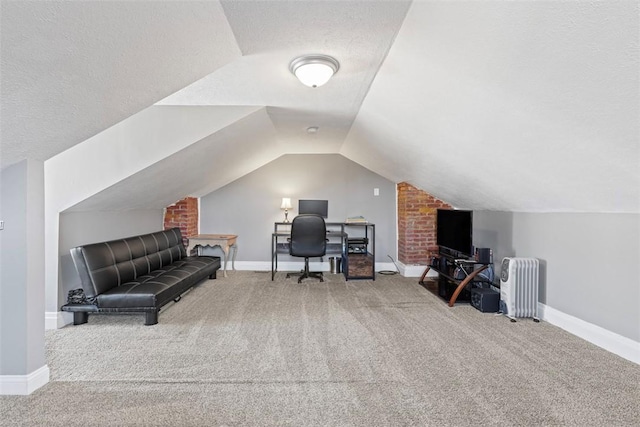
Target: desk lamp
286,205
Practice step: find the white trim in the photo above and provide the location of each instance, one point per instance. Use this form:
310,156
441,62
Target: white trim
299,265
610,341
282,266
386,266
57,319
249,266
415,270
24,384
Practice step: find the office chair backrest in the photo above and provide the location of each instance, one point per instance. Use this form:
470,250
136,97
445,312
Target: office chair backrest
308,236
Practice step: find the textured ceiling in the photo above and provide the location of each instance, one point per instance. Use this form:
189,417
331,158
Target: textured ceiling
270,34
518,106
70,70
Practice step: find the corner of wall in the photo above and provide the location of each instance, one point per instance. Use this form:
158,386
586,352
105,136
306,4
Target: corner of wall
57,319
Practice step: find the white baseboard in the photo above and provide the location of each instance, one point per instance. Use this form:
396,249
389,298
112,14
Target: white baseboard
386,266
282,266
57,319
24,384
297,265
610,341
250,266
415,270
404,270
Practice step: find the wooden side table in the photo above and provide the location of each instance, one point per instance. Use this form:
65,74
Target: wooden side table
226,242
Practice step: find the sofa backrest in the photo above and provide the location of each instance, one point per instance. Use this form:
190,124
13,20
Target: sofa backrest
105,265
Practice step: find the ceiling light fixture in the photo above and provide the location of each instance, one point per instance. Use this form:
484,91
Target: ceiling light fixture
314,70
312,129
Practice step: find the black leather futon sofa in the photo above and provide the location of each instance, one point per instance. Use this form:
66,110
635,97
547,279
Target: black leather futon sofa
136,274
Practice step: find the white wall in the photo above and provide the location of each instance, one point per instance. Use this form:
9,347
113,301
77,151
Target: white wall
494,230
22,360
250,205
589,262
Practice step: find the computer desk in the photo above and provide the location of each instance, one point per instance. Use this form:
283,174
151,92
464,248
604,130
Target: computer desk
338,244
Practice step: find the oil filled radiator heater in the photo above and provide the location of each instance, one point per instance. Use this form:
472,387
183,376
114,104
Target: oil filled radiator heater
519,288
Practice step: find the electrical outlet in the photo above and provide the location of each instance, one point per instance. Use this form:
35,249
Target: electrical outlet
376,191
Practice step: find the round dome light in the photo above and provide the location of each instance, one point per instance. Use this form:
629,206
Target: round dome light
314,70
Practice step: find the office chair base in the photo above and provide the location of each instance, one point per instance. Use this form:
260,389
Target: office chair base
295,274
313,275
304,275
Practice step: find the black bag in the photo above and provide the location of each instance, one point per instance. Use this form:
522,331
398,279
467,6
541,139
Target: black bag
77,296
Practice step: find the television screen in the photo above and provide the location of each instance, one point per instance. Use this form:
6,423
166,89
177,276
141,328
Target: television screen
454,230
318,207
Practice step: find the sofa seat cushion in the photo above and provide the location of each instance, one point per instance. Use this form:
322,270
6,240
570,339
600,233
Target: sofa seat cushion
159,286
132,295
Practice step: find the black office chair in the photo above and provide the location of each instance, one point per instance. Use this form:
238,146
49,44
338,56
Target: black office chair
308,239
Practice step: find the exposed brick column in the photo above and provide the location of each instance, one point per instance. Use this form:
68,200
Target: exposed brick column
417,224
183,214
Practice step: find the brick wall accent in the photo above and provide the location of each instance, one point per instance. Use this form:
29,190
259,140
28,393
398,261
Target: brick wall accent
183,214
417,224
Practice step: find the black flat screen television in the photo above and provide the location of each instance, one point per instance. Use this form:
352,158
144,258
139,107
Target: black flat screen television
318,207
454,231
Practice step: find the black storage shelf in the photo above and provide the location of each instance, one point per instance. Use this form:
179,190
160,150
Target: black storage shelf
456,278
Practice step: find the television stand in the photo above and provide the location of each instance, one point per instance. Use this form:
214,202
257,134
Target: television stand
446,272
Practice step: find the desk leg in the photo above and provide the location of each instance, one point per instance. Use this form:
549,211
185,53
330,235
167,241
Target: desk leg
274,256
225,251
233,259
225,254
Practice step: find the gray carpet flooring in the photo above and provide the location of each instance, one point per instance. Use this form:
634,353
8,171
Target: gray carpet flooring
244,350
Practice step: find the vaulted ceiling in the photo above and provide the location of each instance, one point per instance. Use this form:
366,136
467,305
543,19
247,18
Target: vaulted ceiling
517,106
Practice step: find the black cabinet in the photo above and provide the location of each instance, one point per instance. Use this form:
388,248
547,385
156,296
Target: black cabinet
456,277
360,261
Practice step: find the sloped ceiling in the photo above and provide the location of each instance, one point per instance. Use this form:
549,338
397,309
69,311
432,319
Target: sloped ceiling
519,106
70,70
208,160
